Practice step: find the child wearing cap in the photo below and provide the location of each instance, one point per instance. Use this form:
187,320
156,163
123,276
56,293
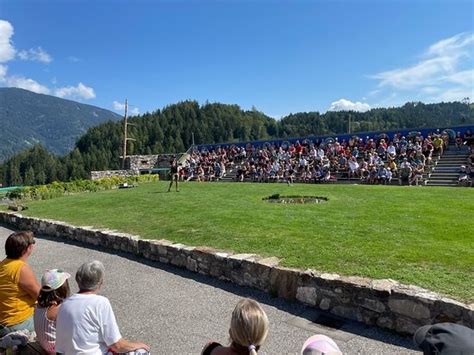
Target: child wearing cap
54,289
320,344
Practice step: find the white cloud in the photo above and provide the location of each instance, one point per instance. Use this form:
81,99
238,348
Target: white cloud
465,78
454,94
75,92
347,105
73,59
456,44
118,106
26,83
35,54
444,72
7,50
3,72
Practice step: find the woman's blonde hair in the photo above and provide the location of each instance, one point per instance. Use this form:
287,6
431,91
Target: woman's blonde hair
249,325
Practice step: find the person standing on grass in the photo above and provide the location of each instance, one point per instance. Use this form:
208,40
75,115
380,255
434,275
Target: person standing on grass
174,170
19,288
86,322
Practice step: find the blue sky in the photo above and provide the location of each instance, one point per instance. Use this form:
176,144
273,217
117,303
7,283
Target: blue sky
279,56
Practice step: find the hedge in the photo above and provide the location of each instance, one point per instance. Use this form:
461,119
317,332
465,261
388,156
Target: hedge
58,189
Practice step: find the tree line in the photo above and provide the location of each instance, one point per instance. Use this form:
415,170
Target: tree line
173,128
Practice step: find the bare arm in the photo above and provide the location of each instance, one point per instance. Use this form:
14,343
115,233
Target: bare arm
28,281
123,346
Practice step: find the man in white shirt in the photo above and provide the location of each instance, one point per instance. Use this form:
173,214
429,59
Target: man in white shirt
86,322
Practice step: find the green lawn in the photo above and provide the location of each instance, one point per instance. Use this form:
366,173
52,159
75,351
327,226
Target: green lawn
416,235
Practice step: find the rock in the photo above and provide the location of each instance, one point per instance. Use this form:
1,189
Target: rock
272,261
325,304
370,303
330,277
191,264
385,322
409,308
403,325
243,257
284,281
385,285
346,312
307,295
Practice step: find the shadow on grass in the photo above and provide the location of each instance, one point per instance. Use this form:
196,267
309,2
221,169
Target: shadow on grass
306,318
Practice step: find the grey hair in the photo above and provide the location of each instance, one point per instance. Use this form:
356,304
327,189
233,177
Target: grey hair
89,276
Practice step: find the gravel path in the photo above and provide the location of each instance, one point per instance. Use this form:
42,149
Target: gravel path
177,312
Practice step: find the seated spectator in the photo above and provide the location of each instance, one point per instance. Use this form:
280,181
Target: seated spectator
54,290
248,331
320,344
392,165
417,174
353,168
19,288
459,140
405,172
464,179
389,176
391,150
382,174
372,175
86,322
444,338
438,145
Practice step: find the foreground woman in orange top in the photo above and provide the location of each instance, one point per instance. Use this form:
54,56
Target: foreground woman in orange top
19,288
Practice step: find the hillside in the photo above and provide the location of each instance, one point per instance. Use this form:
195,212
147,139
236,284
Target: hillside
27,118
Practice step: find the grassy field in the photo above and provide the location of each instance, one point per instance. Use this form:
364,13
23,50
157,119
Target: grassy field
416,235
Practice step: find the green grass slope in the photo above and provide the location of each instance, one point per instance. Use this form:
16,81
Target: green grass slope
416,235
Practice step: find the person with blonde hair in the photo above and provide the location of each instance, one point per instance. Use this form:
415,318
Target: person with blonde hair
248,331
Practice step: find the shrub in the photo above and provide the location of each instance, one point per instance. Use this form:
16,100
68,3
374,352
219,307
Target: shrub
57,188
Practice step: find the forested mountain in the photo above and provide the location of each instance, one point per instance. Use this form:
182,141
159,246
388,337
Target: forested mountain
171,129
27,119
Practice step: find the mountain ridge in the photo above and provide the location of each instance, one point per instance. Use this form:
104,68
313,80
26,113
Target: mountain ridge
28,118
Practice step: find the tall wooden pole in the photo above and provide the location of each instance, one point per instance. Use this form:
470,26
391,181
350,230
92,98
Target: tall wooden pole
125,135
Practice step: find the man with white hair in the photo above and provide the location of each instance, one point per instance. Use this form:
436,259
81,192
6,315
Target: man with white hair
86,322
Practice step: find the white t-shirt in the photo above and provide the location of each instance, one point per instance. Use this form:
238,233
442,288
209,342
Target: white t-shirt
86,325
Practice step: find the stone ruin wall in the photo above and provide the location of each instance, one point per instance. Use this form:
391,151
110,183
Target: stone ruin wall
385,303
134,164
95,175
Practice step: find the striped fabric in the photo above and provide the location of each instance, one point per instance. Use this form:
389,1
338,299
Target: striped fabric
45,330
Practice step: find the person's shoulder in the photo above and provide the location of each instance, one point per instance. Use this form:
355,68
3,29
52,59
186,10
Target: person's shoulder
100,299
210,347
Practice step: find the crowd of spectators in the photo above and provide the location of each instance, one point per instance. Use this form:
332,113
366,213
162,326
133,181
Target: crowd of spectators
371,160
466,172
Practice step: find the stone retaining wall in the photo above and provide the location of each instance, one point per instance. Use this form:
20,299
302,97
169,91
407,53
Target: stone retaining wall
95,175
385,303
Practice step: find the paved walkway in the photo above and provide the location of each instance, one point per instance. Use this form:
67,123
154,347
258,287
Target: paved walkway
177,312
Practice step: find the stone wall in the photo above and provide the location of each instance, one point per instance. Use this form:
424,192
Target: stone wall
136,163
95,175
385,303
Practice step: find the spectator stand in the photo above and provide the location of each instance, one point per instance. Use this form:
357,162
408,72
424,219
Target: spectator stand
382,159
